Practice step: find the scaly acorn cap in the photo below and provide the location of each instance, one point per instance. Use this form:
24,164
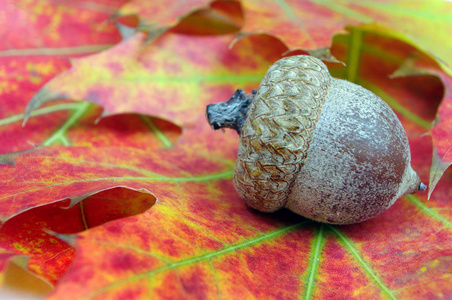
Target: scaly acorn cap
279,127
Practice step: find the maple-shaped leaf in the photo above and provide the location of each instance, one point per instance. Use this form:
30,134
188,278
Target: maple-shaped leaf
310,25
38,37
200,239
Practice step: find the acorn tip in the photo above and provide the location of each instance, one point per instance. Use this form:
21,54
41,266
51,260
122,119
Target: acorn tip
421,187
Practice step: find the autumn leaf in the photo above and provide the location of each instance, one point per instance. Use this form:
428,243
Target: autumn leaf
170,69
182,239
361,253
197,16
441,134
310,25
30,233
151,138
38,39
31,27
442,126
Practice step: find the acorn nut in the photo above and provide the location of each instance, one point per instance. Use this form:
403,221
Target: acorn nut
325,148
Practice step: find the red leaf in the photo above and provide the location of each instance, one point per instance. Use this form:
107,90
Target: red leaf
311,25
441,131
199,240
29,233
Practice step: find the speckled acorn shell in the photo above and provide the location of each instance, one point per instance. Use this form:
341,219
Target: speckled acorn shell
322,147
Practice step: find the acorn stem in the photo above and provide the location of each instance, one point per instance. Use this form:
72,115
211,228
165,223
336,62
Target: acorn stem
230,114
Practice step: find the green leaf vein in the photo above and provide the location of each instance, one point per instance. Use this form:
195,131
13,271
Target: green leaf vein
317,246
206,256
367,268
424,208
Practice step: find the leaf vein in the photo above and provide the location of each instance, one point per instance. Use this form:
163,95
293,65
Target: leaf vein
367,268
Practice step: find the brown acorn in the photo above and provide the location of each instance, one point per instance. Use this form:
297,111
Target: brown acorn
325,148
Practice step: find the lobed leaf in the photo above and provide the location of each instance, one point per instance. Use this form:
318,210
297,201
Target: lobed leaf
441,131
32,233
310,25
442,135
199,240
156,17
38,38
185,71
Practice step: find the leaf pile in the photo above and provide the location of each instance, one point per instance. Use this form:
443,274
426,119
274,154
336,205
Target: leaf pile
117,187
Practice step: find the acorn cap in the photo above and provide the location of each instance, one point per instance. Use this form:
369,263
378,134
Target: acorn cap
278,130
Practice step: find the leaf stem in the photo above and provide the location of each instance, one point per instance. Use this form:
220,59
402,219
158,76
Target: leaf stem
354,54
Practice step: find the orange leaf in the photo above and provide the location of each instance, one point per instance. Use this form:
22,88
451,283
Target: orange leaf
310,25
186,72
200,240
198,17
29,233
38,37
441,131
156,17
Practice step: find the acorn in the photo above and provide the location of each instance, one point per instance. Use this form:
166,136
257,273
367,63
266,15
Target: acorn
325,148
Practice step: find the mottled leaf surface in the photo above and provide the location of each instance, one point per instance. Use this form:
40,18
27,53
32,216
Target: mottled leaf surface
198,240
442,134
403,253
187,71
30,234
158,16
310,25
38,37
441,130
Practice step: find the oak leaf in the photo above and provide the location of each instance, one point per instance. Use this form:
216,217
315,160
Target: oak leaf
199,239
